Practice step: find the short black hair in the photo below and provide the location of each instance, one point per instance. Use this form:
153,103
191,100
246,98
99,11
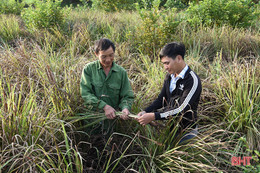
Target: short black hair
103,44
172,50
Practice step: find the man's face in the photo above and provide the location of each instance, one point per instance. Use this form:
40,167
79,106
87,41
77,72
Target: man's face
169,64
106,57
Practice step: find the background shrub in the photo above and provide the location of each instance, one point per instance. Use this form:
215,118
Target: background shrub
44,14
114,5
157,26
209,12
11,7
179,4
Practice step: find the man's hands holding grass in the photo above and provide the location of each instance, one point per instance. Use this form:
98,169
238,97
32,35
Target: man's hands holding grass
145,118
109,112
125,113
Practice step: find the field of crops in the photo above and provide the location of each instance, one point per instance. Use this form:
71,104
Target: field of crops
44,47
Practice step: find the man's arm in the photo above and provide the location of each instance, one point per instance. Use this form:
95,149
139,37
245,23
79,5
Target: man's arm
126,93
188,101
158,102
145,117
87,92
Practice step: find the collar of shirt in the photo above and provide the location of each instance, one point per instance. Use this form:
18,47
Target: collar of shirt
174,79
182,73
113,68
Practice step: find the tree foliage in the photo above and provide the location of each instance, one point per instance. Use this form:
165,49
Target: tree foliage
44,14
232,12
11,7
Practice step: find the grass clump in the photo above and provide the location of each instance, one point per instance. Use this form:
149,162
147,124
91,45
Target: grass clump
10,28
237,87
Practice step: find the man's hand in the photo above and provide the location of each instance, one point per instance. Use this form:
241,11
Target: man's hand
109,112
146,118
125,113
141,113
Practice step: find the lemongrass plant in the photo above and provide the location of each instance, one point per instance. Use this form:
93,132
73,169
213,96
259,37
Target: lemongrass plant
237,87
162,152
32,138
10,28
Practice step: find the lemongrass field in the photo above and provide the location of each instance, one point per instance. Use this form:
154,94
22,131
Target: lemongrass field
42,113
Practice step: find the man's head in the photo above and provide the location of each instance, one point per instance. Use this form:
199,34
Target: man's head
172,50
105,51
172,57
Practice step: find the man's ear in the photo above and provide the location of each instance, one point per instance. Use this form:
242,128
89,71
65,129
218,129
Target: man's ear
179,58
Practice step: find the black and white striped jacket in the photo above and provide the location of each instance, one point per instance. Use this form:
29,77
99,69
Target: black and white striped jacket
182,101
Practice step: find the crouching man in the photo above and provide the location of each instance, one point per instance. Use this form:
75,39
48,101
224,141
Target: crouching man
181,91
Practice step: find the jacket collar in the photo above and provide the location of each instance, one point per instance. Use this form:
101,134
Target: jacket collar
113,68
182,73
187,72
168,75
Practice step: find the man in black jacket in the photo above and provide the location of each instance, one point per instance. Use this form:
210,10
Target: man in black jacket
181,90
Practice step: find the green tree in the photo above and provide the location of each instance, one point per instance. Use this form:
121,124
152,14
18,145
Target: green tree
11,7
232,12
44,14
